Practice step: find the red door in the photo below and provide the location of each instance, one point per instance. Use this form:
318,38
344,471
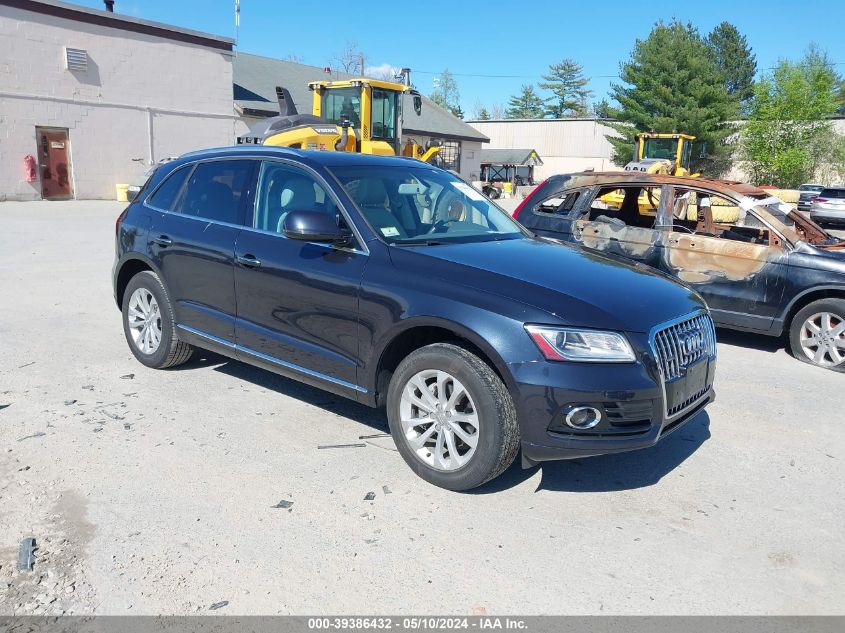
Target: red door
54,162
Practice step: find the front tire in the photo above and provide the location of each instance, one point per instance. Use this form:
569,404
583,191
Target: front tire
817,334
451,417
149,324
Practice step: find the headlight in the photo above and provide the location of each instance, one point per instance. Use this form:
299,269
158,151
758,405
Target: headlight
573,344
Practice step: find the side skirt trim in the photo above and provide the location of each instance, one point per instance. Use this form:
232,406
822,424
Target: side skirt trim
271,359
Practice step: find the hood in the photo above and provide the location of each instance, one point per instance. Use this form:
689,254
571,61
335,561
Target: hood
579,287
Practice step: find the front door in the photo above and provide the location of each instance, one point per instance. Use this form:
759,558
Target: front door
54,162
297,301
727,254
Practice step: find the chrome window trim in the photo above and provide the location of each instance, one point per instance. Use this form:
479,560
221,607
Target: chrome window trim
272,359
363,250
656,356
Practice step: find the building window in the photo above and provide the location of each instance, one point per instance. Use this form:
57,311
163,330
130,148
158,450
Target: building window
450,155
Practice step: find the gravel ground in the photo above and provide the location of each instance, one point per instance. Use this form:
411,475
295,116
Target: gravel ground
155,492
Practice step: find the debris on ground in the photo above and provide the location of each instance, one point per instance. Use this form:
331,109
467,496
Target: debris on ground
385,490
321,446
284,504
28,437
374,435
370,496
218,605
26,554
69,402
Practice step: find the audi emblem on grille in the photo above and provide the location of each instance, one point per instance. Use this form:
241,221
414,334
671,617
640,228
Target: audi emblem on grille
691,342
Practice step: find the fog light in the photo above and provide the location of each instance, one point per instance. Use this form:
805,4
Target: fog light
583,417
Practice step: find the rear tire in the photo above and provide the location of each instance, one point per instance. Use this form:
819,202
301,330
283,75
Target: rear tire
462,431
149,324
817,334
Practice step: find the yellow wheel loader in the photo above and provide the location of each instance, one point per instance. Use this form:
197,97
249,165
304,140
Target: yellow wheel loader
662,154
353,115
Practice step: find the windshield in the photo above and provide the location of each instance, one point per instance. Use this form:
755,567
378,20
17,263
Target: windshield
413,205
789,222
660,148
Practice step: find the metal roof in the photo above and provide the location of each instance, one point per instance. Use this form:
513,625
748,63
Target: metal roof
510,157
256,78
79,13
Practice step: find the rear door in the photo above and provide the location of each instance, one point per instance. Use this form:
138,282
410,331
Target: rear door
623,221
297,301
199,211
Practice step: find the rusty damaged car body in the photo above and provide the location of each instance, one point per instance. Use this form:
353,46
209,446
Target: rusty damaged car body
760,265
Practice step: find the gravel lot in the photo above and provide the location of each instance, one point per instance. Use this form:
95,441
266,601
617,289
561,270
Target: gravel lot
154,492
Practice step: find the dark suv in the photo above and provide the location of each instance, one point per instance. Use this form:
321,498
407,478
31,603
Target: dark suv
760,265
396,284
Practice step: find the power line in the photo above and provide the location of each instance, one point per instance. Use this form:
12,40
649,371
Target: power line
537,76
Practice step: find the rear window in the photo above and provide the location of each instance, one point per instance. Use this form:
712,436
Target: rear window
215,190
832,193
166,196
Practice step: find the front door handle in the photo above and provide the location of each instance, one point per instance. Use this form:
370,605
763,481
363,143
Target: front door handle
249,261
162,240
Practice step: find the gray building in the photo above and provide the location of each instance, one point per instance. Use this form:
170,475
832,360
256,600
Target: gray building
256,79
90,98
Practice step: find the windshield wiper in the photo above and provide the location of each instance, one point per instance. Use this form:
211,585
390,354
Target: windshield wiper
425,243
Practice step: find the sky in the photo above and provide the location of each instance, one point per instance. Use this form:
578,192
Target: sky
494,49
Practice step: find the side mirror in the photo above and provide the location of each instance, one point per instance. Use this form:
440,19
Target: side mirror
314,226
418,104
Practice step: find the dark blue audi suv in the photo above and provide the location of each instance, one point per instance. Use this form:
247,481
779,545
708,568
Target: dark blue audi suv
397,284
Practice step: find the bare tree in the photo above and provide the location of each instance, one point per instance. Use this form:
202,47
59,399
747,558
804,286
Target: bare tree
350,60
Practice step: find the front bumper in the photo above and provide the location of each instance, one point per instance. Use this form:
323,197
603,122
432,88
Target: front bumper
630,397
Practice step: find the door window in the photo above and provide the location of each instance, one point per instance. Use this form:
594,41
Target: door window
630,206
704,213
166,197
216,190
282,189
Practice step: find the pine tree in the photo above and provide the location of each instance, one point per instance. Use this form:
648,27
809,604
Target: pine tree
736,61
567,83
671,83
525,105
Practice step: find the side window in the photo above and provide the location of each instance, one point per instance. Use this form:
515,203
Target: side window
633,206
282,189
216,190
705,213
167,194
561,203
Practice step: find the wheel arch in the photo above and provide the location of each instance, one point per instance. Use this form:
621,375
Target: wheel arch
127,269
808,296
419,332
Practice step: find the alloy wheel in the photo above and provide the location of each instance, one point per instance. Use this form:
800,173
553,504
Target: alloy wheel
439,420
144,321
822,339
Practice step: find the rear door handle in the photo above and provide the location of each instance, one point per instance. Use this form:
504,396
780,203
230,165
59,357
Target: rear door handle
249,261
162,240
